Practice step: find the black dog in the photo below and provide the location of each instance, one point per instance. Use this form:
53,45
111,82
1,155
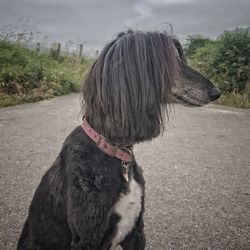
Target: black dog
92,197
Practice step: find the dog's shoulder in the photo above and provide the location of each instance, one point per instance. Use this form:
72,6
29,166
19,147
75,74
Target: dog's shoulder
87,167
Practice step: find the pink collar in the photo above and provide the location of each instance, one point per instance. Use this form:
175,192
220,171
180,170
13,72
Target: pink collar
104,145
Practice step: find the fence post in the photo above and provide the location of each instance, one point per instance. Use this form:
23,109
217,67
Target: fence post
58,50
38,47
80,52
55,50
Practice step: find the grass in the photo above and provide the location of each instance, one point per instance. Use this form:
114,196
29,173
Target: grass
11,100
235,100
26,76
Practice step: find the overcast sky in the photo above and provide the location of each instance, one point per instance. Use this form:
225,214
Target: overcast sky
96,21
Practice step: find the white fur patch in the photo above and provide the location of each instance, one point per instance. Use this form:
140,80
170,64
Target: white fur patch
128,207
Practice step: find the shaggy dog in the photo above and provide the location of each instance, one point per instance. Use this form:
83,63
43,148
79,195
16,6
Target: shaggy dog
92,197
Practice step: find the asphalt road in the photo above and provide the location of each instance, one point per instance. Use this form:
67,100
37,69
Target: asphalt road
197,174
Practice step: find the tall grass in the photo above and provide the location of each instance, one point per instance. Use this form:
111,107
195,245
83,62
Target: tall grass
27,76
235,100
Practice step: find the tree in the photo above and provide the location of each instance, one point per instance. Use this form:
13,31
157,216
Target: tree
226,61
195,42
233,59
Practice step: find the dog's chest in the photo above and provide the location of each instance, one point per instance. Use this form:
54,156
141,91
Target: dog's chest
128,207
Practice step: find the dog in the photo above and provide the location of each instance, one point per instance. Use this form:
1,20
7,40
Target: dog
92,197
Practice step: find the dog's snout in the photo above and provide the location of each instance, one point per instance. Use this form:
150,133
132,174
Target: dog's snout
214,93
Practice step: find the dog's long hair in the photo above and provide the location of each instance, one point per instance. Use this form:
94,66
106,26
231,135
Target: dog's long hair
127,89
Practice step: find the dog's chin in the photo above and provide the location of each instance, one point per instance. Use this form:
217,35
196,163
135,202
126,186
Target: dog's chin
190,101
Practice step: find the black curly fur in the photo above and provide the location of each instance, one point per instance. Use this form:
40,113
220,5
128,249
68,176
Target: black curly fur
125,99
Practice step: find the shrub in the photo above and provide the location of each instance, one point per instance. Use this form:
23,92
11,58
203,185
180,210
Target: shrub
26,73
225,61
232,60
204,58
194,43
14,54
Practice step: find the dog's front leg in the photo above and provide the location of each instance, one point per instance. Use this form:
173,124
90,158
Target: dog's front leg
136,239
89,212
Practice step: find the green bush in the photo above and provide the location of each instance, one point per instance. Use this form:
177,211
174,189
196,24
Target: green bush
194,43
26,73
10,76
225,61
204,58
233,60
13,54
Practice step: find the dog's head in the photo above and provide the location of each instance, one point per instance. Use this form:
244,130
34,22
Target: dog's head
192,88
128,88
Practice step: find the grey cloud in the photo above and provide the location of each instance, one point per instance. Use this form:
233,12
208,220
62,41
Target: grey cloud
97,21
208,18
91,21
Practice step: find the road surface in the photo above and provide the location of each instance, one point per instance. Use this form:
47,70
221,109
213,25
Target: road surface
197,174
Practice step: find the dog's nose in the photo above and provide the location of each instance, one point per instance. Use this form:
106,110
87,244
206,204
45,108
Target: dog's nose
214,93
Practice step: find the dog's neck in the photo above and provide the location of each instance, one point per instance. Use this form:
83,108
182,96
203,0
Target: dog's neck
104,126
124,153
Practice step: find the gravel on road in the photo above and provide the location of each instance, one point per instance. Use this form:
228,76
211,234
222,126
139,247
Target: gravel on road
197,173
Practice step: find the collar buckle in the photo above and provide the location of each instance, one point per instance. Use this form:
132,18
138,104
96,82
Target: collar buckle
106,146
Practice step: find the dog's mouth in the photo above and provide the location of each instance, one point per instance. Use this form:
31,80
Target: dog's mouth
190,97
189,101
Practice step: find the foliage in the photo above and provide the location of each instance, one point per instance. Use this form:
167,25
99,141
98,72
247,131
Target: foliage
194,43
233,60
235,100
28,76
225,61
25,73
204,58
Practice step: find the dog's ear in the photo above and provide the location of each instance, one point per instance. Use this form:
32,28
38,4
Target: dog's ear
179,49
